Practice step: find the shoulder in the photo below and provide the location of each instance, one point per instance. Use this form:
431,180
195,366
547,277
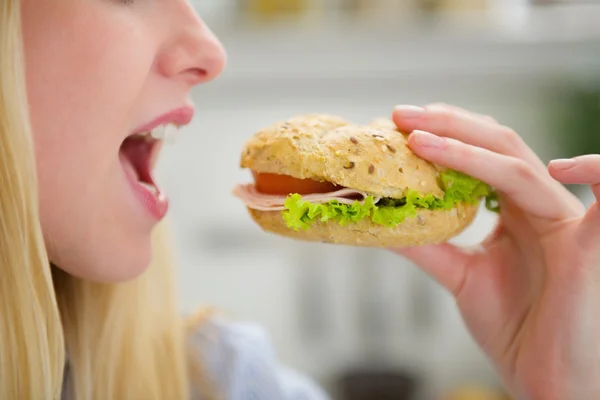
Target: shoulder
241,362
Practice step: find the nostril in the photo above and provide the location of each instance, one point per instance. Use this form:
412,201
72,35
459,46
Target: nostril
200,73
197,75
194,55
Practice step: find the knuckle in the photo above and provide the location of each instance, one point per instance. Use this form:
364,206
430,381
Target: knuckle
510,136
462,152
523,170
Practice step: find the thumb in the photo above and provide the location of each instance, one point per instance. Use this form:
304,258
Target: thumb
589,234
584,170
446,263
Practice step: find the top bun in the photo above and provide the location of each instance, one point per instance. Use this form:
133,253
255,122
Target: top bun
372,158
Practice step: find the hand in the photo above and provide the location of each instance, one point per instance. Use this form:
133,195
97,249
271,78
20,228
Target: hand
530,293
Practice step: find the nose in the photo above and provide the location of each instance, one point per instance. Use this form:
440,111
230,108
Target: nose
193,53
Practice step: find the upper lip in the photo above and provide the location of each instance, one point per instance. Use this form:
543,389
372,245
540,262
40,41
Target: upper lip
179,116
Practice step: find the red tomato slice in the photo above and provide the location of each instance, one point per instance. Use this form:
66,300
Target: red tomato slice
285,185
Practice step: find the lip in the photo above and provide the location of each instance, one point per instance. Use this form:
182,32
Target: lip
179,116
156,205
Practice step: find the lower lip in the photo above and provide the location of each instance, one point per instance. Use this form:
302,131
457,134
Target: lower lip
157,206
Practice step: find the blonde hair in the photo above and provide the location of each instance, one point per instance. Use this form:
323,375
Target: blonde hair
124,341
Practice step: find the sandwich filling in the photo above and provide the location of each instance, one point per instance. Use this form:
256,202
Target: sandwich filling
304,201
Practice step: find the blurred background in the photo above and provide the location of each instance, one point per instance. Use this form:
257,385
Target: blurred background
364,323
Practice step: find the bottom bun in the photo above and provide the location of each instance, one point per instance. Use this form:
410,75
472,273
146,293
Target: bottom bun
428,227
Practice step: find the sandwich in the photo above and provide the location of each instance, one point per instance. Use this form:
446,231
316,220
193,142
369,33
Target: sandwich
323,178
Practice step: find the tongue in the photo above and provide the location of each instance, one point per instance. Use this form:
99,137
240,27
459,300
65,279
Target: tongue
135,156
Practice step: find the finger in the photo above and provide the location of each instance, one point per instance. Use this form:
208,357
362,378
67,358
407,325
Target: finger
483,131
533,192
583,170
445,263
465,111
589,232
467,127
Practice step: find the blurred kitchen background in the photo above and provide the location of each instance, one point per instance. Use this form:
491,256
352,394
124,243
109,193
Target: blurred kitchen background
364,323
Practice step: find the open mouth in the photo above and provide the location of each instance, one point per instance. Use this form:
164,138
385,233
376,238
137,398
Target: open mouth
138,155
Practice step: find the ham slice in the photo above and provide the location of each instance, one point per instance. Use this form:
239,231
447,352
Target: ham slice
268,202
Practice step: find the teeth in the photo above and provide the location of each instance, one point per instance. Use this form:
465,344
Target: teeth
158,132
145,135
150,187
171,133
164,132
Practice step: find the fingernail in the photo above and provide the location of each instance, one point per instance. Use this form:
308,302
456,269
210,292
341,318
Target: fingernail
426,139
409,112
563,164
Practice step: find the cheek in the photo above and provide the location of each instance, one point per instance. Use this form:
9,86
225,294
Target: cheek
86,65
85,68
84,71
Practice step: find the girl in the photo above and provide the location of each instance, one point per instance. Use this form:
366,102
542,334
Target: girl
87,302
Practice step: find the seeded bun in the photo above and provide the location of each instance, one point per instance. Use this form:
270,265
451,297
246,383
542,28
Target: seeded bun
372,158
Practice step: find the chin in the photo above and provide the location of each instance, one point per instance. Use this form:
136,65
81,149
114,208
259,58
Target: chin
128,272
130,264
109,265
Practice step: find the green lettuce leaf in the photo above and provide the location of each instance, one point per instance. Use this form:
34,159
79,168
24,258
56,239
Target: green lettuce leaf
458,188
